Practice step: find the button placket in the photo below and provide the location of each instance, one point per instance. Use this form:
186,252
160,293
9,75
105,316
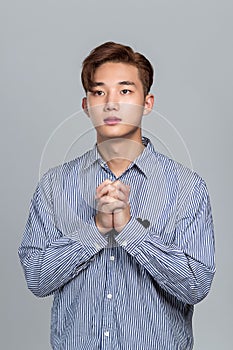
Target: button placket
108,299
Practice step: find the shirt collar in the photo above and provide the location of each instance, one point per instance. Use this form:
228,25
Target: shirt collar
147,159
144,161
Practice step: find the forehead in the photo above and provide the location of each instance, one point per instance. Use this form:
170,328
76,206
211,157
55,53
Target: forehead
116,72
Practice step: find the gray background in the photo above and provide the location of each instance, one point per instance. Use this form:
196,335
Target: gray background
42,46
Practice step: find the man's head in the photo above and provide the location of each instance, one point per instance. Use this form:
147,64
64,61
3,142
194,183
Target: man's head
118,53
117,83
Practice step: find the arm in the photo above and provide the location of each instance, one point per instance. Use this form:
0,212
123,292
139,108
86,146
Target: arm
185,268
49,258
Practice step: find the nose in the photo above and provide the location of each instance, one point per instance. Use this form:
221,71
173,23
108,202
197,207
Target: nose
111,103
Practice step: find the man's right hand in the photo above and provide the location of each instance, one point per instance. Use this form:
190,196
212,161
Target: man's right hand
104,216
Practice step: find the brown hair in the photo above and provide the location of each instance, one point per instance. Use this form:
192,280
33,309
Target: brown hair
113,52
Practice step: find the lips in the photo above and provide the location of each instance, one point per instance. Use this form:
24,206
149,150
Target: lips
112,120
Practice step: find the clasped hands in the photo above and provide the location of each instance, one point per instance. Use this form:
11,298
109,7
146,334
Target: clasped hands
113,209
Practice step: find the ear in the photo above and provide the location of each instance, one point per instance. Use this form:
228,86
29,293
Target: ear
84,106
149,103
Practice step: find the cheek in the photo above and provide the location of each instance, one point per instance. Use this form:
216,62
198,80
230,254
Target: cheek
132,113
96,114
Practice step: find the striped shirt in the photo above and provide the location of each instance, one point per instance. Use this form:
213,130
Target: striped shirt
132,290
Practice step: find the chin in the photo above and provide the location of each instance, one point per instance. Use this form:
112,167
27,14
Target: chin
115,136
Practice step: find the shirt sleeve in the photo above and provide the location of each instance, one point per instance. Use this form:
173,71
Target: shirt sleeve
49,258
184,268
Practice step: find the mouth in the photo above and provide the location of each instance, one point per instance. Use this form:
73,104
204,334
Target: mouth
112,120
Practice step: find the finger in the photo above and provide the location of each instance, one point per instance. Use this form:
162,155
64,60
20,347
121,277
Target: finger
104,183
104,205
113,192
102,186
109,204
106,200
119,195
119,191
122,187
107,189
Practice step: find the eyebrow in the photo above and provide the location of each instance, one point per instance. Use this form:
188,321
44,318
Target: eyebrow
124,82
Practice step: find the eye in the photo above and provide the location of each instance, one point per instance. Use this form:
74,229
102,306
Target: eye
125,91
98,93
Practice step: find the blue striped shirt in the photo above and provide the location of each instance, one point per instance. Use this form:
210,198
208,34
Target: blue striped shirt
133,290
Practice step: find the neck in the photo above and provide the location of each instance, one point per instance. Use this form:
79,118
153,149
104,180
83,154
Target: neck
119,153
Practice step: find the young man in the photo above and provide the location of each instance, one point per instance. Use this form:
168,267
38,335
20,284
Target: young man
122,236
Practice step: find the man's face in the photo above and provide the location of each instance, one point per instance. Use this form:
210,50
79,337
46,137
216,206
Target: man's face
116,102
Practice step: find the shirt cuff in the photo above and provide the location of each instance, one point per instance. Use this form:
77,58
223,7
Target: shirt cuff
132,235
90,237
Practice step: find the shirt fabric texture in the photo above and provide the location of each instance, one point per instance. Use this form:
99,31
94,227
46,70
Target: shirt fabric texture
133,290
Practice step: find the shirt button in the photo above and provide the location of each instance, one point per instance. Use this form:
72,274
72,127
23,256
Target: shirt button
106,333
112,258
124,243
109,296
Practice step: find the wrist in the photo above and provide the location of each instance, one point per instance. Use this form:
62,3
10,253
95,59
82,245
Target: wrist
100,227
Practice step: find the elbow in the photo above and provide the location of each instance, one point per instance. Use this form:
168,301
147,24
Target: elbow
200,289
38,292
32,270
197,295
34,286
